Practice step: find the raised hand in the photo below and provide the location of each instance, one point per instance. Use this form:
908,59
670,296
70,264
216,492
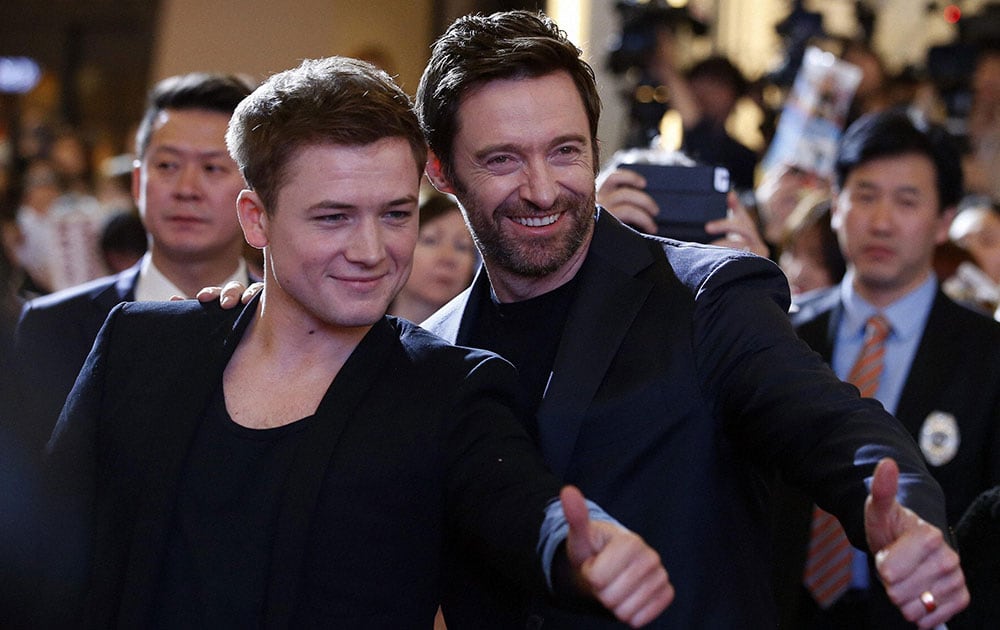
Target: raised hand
615,565
738,229
918,568
622,194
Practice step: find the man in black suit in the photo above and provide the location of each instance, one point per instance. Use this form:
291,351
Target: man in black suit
897,187
661,377
304,462
185,185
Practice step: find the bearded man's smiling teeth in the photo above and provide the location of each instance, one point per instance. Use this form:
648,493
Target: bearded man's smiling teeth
537,221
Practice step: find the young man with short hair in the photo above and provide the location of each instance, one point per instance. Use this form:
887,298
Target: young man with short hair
304,462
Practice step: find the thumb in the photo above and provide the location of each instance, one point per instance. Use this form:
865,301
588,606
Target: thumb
880,510
579,546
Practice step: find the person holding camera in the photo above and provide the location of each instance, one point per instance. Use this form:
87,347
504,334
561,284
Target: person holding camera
622,192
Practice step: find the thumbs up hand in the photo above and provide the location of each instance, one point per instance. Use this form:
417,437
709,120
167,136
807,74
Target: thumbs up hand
615,565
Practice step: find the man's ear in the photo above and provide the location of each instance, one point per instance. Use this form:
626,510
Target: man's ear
435,173
253,218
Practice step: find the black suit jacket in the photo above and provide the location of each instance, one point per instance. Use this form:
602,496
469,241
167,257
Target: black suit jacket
955,371
54,335
678,389
415,450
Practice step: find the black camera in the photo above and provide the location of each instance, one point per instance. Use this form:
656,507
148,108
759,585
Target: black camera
688,198
951,66
640,20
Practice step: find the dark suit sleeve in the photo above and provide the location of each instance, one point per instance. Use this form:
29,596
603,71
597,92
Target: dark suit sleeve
978,534
497,485
788,409
994,457
70,471
49,349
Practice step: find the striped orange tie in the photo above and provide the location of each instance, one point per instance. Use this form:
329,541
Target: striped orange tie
828,563
868,368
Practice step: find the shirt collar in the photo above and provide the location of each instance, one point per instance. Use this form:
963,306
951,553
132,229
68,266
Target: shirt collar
906,315
152,285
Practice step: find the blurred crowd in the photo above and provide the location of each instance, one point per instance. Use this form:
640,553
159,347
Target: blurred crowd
788,201
64,220
67,217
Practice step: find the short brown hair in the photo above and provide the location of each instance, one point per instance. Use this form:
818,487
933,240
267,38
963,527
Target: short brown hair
476,49
336,100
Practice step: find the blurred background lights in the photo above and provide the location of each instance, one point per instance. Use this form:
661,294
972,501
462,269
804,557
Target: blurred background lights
18,74
952,14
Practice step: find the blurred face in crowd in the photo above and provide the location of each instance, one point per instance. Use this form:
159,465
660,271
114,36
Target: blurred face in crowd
443,261
41,185
186,185
339,242
872,74
715,97
69,156
986,78
888,222
979,234
803,263
780,191
524,174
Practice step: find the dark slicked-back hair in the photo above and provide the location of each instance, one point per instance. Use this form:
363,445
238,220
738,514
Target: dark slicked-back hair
509,45
197,90
336,100
893,133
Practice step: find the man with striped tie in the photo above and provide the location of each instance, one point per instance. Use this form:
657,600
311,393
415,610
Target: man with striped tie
890,330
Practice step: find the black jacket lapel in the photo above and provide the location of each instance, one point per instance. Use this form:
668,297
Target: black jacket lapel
937,353
608,298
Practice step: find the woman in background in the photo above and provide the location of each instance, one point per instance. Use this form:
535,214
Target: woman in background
810,255
443,261
976,229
